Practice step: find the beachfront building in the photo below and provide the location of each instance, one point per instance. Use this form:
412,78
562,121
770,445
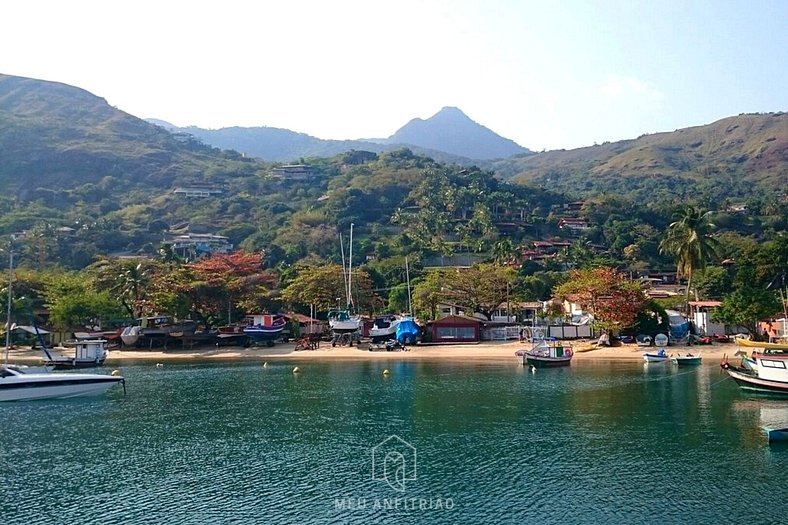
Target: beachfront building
455,329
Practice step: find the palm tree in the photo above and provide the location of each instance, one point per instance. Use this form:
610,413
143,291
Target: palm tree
689,240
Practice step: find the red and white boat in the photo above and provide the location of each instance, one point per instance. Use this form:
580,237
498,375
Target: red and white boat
765,373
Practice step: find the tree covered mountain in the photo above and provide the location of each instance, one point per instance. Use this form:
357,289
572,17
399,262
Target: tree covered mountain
733,158
83,179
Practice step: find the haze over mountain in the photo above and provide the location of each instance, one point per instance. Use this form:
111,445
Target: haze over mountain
448,136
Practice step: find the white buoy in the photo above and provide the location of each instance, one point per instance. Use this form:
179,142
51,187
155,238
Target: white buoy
159,365
265,364
116,373
296,370
386,372
533,369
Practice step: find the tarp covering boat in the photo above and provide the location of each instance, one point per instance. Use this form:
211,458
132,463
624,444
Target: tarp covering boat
407,331
679,326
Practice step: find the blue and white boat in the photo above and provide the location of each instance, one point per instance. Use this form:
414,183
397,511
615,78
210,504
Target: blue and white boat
660,356
265,328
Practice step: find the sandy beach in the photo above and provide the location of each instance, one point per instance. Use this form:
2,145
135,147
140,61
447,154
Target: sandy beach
496,351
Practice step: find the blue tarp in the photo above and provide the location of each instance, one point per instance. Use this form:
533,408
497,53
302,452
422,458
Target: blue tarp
679,326
407,331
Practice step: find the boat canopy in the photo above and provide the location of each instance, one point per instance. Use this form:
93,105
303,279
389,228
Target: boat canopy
407,331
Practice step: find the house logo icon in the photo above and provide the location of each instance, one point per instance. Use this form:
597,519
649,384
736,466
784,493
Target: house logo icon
394,461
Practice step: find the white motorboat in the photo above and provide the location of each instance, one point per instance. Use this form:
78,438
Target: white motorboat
16,384
384,328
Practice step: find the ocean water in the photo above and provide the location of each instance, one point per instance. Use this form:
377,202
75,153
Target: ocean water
432,442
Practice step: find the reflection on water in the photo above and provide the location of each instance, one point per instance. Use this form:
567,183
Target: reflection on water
607,441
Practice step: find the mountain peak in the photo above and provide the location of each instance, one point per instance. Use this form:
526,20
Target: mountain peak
452,131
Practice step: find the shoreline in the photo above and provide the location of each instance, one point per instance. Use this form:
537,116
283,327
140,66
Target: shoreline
489,352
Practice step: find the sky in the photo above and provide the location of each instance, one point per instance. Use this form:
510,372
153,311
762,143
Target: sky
548,74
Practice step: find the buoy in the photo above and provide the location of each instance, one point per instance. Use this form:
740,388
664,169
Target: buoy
265,364
386,372
116,373
533,369
296,370
159,365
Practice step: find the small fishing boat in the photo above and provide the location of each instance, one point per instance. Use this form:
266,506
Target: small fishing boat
686,360
265,328
660,356
768,374
546,353
776,434
88,353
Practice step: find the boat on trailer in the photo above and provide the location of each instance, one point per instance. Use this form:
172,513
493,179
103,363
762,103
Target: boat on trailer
546,353
265,328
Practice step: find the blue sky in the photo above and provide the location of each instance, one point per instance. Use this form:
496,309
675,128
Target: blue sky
547,74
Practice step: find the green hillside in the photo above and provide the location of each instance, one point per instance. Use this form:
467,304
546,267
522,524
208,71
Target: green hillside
741,155
56,136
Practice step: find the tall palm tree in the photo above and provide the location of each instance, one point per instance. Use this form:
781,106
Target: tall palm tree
689,240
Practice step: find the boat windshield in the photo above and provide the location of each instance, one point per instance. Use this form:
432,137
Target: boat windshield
8,372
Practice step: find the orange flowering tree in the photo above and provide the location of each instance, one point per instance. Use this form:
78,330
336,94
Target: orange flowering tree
220,283
610,296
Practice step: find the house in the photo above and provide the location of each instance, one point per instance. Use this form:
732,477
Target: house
200,244
198,190
455,329
573,224
294,172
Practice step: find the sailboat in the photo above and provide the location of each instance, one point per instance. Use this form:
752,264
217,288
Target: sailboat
343,324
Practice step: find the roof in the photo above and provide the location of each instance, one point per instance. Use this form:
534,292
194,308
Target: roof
457,319
706,304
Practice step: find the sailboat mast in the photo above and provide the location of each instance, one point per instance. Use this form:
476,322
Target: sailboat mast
350,270
344,270
10,297
407,278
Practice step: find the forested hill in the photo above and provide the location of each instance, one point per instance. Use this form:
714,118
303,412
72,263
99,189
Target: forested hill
55,136
736,157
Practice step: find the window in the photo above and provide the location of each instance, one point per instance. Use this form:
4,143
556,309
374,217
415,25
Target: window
456,332
768,363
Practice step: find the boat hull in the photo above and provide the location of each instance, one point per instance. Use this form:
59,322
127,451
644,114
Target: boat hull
766,346
686,361
547,362
775,435
748,381
72,364
56,387
654,358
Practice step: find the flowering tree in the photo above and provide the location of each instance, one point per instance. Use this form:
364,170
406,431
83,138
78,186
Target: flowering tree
222,282
608,295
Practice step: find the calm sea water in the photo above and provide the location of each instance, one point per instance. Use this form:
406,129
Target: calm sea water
239,443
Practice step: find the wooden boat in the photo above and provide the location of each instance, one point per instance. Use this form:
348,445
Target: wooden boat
546,353
686,360
768,374
265,328
766,346
660,356
776,434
